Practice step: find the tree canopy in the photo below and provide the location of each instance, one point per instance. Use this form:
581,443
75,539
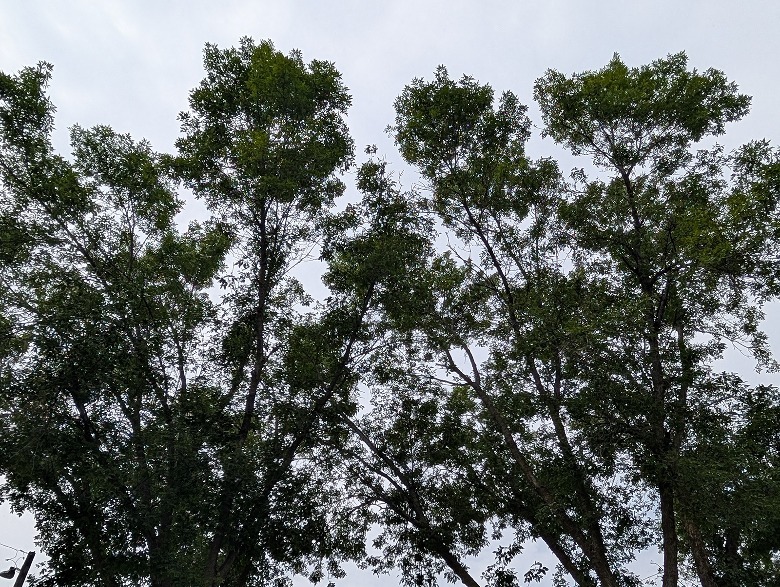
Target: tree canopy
504,354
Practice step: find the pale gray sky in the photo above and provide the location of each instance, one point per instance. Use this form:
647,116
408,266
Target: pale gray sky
131,64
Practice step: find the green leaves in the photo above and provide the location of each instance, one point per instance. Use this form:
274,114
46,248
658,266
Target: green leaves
161,424
263,124
452,133
25,106
501,353
638,117
127,174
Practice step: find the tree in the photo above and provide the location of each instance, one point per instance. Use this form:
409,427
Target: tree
690,258
161,438
555,366
264,160
515,302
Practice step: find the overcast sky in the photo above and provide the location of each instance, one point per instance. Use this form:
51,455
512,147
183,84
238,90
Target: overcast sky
131,64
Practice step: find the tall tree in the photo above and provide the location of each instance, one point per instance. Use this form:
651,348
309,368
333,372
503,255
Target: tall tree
458,444
263,140
686,241
517,304
159,438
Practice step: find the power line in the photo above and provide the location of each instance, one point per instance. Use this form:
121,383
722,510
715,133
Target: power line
13,548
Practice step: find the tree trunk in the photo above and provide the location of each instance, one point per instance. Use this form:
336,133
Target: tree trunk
700,559
669,531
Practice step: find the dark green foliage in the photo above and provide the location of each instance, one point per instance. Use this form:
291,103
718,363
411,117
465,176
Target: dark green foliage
159,438
563,346
627,117
503,355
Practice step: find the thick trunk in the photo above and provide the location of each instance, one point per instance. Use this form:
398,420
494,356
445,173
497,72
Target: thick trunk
732,560
590,514
455,565
669,531
580,578
700,558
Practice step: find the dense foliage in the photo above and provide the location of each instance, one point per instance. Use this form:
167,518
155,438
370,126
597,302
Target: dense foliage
503,354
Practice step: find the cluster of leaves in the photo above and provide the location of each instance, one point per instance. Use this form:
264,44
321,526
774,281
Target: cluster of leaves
504,355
